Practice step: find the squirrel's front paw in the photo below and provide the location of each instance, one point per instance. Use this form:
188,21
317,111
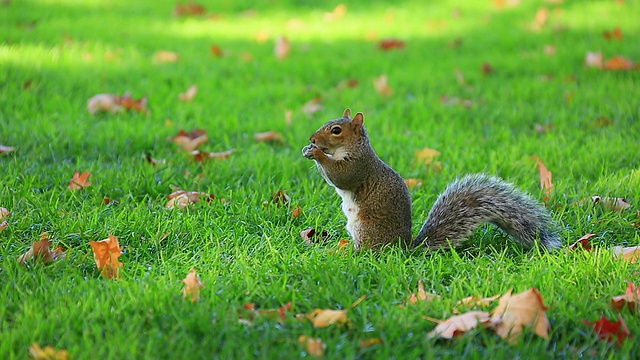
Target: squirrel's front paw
309,151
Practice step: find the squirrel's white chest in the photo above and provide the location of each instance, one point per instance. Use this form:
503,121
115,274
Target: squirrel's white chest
350,210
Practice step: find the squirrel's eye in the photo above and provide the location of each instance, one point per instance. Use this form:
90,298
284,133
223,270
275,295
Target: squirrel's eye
336,130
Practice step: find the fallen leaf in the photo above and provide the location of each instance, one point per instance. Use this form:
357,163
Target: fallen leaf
391,44
268,136
104,103
129,103
630,254
422,295
427,156
459,324
4,213
610,331
282,48
611,203
517,311
615,34
48,353
618,63
370,342
338,13
473,301
200,156
543,128
189,94
79,182
312,237
550,50
347,84
190,9
190,141
263,36
297,212
314,346
322,318
455,101
583,243
487,69
192,286
108,200
312,106
6,149
288,117
413,183
153,161
343,243
541,18
163,57
40,251
216,50
594,60
381,84
631,299
280,313
181,198
3,225
602,121
546,182
106,253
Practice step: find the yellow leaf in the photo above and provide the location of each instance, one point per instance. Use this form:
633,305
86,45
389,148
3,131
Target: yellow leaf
192,287
315,346
48,353
190,94
517,311
165,57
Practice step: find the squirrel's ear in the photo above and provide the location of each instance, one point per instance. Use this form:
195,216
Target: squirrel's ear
347,113
358,119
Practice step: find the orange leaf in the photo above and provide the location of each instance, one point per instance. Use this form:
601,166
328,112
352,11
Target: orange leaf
48,353
422,295
188,95
390,44
583,243
314,346
129,103
618,63
459,324
282,48
79,182
268,136
608,330
200,156
192,286
189,9
297,212
516,311
546,182
162,57
106,253
343,243
322,318
381,84
413,183
630,254
6,149
426,156
370,342
216,50
181,198
190,141
611,203
41,251
631,298
615,34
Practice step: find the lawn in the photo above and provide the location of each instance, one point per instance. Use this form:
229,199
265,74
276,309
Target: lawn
488,84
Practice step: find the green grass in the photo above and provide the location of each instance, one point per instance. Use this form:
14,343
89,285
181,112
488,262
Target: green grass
246,252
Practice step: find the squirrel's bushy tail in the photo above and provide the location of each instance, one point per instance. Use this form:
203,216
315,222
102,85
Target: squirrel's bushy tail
477,199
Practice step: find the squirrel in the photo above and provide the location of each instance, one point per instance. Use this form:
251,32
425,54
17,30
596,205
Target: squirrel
377,202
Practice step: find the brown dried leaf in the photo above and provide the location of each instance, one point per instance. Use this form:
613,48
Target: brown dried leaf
413,183
129,103
314,346
391,44
422,295
312,237
48,353
517,311
268,136
163,56
630,254
190,94
611,203
322,318
200,156
381,84
4,213
41,251
190,9
282,48
190,141
181,198
546,182
106,254
459,324
615,34
104,103
79,181
583,243
631,298
427,156
618,63
297,212
153,161
370,342
192,286
473,301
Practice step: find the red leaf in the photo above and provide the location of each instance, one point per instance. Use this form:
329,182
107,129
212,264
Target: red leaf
583,243
615,34
390,44
608,330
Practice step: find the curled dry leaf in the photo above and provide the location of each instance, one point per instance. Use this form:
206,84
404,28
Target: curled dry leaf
40,251
192,286
630,254
153,161
609,330
486,68
370,342
48,353
583,243
473,301
106,254
216,51
631,299
4,213
79,181
190,94
381,84
427,156
109,103
619,63
268,136
279,313
181,199
343,243
322,318
190,141
347,84
189,9
282,48
546,182
312,237
200,156
517,311
391,44
6,149
459,324
314,346
611,203
413,183
3,225
615,34
297,212
163,56
129,103
421,295
312,106
280,198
